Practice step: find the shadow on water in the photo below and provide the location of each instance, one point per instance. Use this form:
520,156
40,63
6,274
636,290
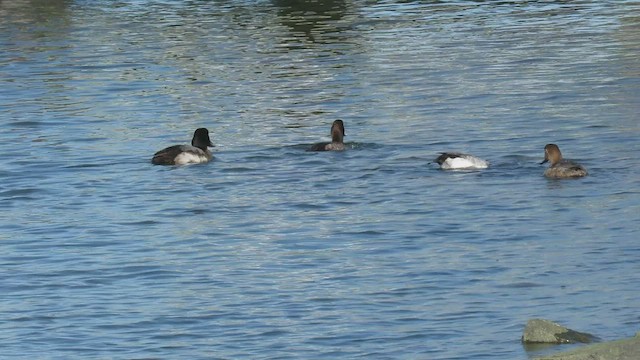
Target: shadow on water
38,31
310,18
36,12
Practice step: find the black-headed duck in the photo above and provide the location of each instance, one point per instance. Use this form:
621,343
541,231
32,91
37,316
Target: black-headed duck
195,153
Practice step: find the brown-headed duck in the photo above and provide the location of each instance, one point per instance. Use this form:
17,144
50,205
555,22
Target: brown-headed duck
337,138
560,168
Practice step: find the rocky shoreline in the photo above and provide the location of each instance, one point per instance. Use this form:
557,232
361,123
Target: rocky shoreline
540,331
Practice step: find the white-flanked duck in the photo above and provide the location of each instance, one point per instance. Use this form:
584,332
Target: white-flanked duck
459,161
195,153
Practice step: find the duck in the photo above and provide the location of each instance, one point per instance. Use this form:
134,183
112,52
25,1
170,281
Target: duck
460,161
195,153
337,139
560,168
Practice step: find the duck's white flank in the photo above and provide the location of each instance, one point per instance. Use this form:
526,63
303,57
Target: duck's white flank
192,157
464,162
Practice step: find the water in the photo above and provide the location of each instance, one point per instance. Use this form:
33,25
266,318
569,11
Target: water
272,252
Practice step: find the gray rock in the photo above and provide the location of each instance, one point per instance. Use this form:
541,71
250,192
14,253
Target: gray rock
545,331
625,349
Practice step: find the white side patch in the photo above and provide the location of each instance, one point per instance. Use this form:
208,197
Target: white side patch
190,158
464,163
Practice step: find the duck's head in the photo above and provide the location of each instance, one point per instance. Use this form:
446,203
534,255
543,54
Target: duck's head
552,154
201,139
337,131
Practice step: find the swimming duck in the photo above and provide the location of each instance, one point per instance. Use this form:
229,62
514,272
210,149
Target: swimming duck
337,136
560,168
454,161
195,153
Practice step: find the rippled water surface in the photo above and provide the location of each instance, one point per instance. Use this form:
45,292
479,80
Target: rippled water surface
273,252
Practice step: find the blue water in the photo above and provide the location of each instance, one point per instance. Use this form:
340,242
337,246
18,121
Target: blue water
272,252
